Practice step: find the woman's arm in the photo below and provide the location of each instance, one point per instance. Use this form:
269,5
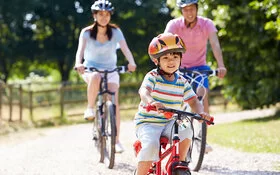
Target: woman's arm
80,53
127,53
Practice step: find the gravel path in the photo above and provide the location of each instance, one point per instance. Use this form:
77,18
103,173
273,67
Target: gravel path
69,150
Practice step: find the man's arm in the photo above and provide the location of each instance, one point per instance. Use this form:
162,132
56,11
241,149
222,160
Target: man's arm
215,44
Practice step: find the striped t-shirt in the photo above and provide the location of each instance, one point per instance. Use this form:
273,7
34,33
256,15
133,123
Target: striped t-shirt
172,94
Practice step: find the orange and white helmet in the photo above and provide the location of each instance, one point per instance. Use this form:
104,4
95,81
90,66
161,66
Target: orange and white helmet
165,43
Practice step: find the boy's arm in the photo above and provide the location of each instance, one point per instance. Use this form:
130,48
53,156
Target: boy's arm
196,106
145,95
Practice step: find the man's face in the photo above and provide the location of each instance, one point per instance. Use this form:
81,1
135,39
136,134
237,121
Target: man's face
189,12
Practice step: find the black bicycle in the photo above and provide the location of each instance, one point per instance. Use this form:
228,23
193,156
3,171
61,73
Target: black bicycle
104,125
197,150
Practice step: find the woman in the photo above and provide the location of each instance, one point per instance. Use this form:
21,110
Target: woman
97,47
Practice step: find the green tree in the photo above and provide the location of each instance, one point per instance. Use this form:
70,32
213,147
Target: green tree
15,43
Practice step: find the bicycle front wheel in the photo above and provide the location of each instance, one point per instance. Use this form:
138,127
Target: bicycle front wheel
110,134
98,137
199,143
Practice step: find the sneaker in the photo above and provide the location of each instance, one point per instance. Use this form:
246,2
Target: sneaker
119,148
208,148
89,114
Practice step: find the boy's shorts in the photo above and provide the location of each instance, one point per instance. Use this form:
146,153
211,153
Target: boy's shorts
149,135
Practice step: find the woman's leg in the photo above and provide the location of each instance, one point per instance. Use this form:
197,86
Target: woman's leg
92,80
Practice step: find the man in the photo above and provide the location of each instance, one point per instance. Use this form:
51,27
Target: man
196,31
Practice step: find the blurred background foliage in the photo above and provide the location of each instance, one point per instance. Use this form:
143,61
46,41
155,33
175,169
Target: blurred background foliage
41,37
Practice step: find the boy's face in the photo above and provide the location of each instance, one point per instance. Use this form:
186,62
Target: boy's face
170,62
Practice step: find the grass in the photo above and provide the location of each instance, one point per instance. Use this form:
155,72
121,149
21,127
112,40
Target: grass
254,135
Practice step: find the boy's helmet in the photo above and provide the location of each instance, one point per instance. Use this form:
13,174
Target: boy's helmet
102,5
165,43
184,3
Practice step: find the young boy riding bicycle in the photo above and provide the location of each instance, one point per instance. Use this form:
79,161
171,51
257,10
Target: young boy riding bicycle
163,87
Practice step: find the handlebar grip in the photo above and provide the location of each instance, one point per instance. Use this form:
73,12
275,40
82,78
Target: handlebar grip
123,69
167,115
211,121
150,108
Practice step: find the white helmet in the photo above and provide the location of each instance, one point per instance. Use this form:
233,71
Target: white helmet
184,3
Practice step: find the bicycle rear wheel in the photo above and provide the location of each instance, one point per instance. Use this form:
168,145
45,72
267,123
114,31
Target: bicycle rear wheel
199,143
98,135
110,134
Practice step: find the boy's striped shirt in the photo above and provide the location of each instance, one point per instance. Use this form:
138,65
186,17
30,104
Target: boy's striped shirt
172,94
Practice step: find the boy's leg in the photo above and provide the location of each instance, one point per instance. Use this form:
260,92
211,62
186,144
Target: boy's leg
143,167
148,135
183,149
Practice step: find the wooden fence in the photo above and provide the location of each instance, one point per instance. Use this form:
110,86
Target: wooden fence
30,96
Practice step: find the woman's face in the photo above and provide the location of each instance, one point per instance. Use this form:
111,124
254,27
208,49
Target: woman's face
102,17
189,13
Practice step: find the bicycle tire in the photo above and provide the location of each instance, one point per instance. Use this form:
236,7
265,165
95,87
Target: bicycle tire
199,144
98,136
110,135
181,172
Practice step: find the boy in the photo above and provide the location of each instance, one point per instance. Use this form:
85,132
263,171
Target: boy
163,87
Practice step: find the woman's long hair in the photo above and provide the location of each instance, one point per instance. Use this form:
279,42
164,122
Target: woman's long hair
109,32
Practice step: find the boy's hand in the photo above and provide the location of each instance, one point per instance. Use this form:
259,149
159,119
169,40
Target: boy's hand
157,105
206,116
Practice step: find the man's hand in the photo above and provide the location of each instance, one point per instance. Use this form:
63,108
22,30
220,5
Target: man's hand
222,71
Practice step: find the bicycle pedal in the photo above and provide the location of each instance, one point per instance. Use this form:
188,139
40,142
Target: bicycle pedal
94,138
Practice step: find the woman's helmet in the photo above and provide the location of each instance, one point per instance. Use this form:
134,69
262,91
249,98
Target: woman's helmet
184,3
165,43
102,5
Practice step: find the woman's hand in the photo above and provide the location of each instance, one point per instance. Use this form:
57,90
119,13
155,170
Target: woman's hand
80,68
131,67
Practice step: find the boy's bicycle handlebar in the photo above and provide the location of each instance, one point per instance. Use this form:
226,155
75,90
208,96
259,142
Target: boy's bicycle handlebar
169,112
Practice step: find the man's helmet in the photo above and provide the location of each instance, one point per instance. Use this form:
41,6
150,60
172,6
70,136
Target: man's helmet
184,3
102,5
165,43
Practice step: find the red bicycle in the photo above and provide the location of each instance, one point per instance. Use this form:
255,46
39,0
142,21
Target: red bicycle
173,166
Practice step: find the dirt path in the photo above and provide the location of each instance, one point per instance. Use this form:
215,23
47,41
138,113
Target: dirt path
69,150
